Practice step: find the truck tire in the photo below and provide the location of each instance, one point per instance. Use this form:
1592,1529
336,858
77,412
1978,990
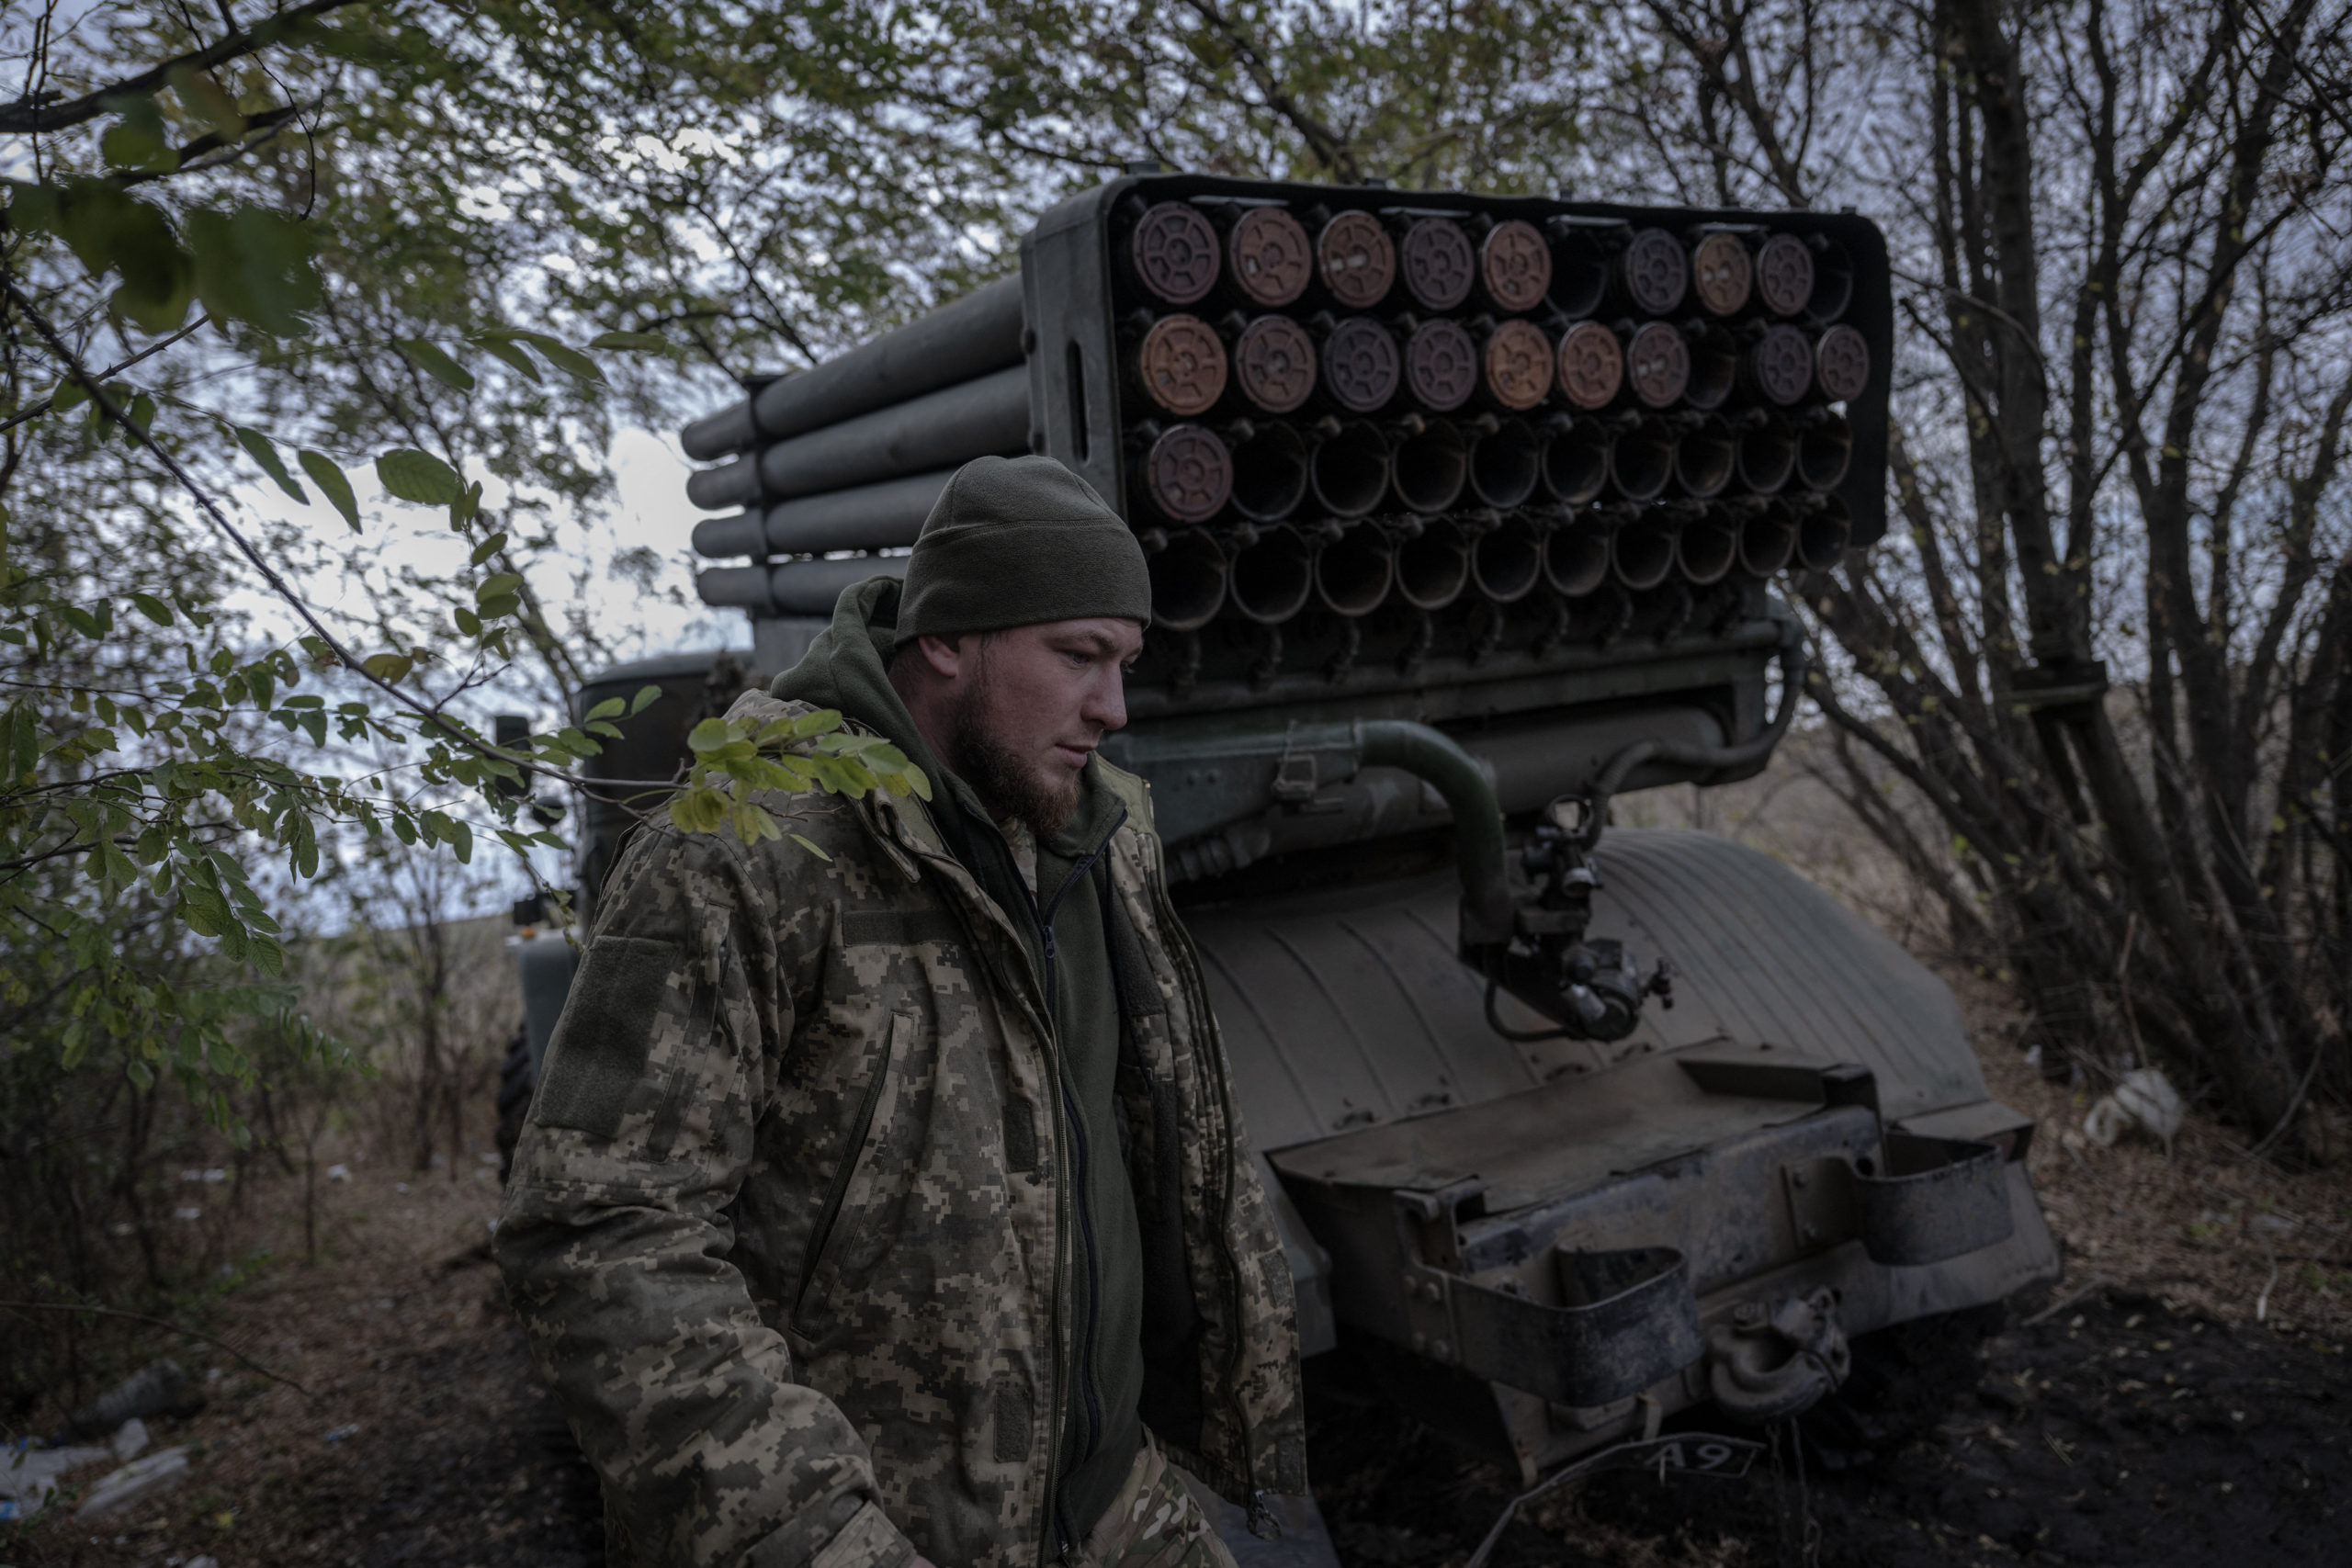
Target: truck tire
514,1086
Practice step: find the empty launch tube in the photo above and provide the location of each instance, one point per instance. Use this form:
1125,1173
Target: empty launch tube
940,430
795,588
1641,554
869,517
1352,573
958,342
1707,549
1823,533
1272,579
1188,579
1575,561
1433,567
1765,541
1508,561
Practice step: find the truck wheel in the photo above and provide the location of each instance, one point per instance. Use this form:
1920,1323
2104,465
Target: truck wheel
513,1099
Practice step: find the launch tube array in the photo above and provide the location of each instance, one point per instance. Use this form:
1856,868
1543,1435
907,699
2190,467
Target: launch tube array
1345,407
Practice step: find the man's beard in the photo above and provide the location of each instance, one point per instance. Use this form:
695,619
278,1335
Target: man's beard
1006,781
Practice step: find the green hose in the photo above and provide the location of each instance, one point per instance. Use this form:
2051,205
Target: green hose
1435,757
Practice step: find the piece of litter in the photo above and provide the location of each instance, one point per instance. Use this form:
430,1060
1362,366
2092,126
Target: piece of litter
338,1173
129,1440
2146,1098
135,1483
339,1433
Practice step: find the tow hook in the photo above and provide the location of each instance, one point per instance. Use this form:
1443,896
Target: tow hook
1767,1364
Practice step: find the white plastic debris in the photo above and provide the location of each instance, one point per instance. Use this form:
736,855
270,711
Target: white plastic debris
2146,1099
129,1440
338,1173
135,1483
28,1475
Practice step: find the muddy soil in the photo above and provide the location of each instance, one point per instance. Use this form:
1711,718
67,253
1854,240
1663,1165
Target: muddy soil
2114,1432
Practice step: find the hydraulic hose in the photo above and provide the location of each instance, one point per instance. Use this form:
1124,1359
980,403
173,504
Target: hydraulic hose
1436,758
1691,754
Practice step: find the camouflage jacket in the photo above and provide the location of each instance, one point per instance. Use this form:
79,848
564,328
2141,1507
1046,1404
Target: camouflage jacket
788,1230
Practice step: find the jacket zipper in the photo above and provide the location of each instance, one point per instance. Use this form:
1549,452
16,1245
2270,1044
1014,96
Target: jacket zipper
1090,1397
855,1156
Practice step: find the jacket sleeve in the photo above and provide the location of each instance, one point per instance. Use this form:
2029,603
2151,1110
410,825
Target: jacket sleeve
616,1234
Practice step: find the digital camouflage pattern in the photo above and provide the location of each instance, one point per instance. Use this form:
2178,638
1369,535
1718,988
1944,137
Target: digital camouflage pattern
1154,1522
788,1230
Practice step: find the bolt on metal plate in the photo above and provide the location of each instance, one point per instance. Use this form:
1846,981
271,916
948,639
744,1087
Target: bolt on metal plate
1270,257
1360,365
1842,364
1783,363
1592,365
1357,259
1188,474
1722,275
1442,365
1516,265
1657,272
1175,252
1182,365
1437,262
1518,365
1658,363
1784,275
1273,359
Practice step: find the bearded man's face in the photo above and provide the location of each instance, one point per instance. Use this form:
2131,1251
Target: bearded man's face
1035,704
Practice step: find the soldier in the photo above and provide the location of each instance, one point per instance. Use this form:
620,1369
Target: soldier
886,1204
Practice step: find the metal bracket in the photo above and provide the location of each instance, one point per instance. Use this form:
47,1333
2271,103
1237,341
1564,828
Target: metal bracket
1628,1318
1820,1203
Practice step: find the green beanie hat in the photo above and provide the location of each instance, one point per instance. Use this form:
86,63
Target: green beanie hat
1017,542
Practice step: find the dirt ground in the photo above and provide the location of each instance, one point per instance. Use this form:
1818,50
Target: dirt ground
2181,1397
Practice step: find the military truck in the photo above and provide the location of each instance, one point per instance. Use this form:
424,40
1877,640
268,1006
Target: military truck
1464,514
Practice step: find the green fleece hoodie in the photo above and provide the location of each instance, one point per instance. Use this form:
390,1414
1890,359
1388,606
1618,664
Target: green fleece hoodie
846,668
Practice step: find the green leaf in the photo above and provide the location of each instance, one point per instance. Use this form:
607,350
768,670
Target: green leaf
258,447
388,667
154,609
408,474
335,486
805,843
108,230
497,585
253,265
649,341
560,355
207,100
611,707
646,697
511,354
486,550
137,140
429,359
710,735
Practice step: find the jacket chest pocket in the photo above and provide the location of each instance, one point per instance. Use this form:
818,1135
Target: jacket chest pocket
858,1185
